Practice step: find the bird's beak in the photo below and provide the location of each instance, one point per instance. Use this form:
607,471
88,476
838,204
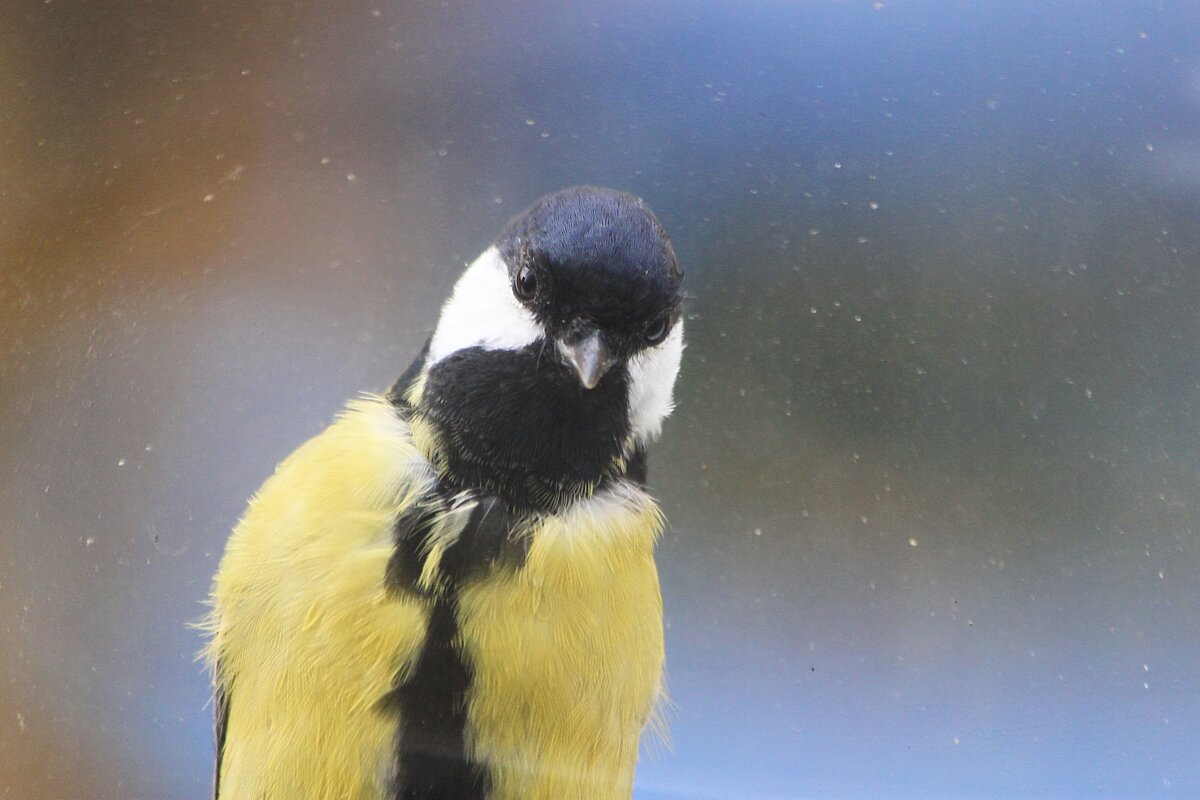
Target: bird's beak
590,357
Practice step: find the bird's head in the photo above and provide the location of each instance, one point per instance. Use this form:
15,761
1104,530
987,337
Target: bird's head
559,347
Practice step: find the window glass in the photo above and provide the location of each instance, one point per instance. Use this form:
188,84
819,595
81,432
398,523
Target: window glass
932,476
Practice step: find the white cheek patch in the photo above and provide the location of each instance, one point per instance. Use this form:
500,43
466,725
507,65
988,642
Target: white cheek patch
652,383
482,312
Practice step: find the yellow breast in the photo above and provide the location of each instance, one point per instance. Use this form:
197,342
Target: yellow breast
567,653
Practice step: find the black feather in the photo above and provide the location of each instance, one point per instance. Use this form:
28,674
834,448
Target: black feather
220,726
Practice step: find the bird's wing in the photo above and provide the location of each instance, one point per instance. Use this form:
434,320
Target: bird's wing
399,391
220,722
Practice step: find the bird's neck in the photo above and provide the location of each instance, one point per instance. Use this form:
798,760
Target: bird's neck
517,424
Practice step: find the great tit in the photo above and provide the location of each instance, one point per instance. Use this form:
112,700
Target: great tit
451,591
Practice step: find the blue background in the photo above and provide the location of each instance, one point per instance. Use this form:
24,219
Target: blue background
933,477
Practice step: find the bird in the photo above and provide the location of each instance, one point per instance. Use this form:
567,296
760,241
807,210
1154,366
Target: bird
451,591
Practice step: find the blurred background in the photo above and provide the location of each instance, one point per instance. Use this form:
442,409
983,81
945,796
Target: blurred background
934,476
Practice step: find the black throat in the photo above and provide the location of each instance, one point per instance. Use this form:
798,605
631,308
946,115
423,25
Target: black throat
517,424
518,430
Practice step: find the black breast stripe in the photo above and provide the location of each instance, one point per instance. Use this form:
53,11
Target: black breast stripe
431,756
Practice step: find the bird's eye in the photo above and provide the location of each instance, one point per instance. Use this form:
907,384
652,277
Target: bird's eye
525,284
656,331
